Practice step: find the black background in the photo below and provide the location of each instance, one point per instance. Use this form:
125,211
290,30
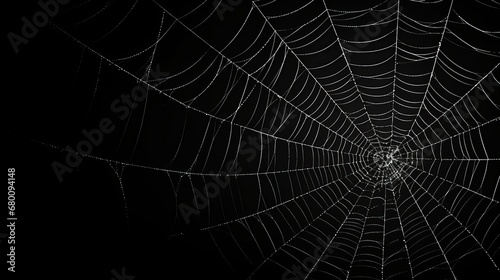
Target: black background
80,228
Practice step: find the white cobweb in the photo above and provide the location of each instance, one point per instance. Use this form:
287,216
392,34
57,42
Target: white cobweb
368,127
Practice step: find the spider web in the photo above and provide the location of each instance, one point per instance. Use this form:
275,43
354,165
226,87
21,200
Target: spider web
366,127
